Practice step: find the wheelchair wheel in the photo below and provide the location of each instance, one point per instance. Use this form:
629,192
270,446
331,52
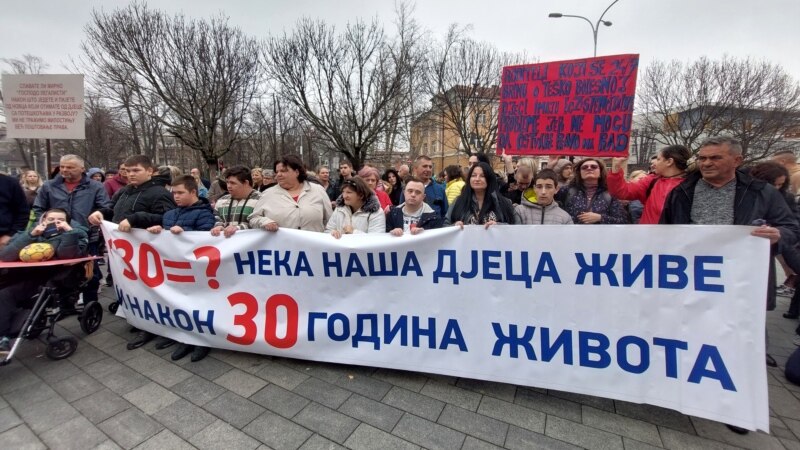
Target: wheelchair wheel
112,307
91,317
61,348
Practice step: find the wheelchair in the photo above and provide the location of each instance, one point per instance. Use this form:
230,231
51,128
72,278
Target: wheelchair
55,301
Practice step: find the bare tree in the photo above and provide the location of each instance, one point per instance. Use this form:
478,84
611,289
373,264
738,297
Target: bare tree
349,86
205,72
106,137
756,102
463,84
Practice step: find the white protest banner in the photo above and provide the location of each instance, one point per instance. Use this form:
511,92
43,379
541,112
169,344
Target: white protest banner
44,106
667,315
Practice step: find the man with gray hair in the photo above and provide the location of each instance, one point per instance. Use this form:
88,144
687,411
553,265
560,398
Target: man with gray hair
79,195
718,194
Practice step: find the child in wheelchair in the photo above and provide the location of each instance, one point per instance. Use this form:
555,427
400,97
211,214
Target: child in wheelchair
42,289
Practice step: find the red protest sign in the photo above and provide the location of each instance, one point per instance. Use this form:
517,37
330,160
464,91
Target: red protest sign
582,107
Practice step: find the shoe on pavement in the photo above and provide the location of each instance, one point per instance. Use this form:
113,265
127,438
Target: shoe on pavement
181,351
199,353
771,361
164,343
791,316
141,338
737,430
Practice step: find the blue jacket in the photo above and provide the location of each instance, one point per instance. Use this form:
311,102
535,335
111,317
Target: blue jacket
87,197
197,217
435,197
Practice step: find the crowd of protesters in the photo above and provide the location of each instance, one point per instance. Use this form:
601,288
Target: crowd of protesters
712,189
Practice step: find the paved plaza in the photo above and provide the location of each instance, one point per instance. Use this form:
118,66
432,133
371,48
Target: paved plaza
105,396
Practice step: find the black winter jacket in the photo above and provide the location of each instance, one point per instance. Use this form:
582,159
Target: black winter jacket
143,206
427,220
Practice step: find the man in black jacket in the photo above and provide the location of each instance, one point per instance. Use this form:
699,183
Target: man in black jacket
718,194
140,204
14,209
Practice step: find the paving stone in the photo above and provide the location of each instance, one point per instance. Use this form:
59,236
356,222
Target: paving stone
371,412
121,353
198,390
16,376
412,381
277,432
366,437
249,362
520,438
783,402
415,403
124,380
165,440
513,414
48,414
679,440
605,404
631,444
150,398
130,428
322,392
427,434
479,426
327,422
101,405
53,371
86,354
21,438
8,419
103,368
615,423
78,386
581,435
208,367
548,404
241,382
451,394
108,445
719,432
221,436
365,385
793,425
167,375
281,375
502,391
3,403
782,433
104,339
279,400
184,418
471,443
234,409
30,394
655,415
317,442
77,434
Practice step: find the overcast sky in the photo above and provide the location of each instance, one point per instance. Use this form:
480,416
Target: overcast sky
656,29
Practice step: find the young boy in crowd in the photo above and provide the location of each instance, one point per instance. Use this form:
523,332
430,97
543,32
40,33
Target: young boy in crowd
193,213
140,204
545,211
69,241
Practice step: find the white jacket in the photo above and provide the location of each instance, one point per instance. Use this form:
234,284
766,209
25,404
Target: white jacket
310,212
368,219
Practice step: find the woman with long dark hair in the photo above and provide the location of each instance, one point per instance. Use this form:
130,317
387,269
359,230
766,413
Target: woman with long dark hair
393,178
480,203
586,197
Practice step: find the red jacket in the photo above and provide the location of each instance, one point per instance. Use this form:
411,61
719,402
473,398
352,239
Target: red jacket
637,190
114,184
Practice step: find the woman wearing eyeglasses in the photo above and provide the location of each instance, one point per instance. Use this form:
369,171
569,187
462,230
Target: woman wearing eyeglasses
586,197
357,210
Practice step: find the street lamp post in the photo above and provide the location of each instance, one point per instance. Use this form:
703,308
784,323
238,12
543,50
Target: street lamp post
595,26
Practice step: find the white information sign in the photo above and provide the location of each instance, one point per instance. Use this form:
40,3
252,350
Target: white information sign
44,106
